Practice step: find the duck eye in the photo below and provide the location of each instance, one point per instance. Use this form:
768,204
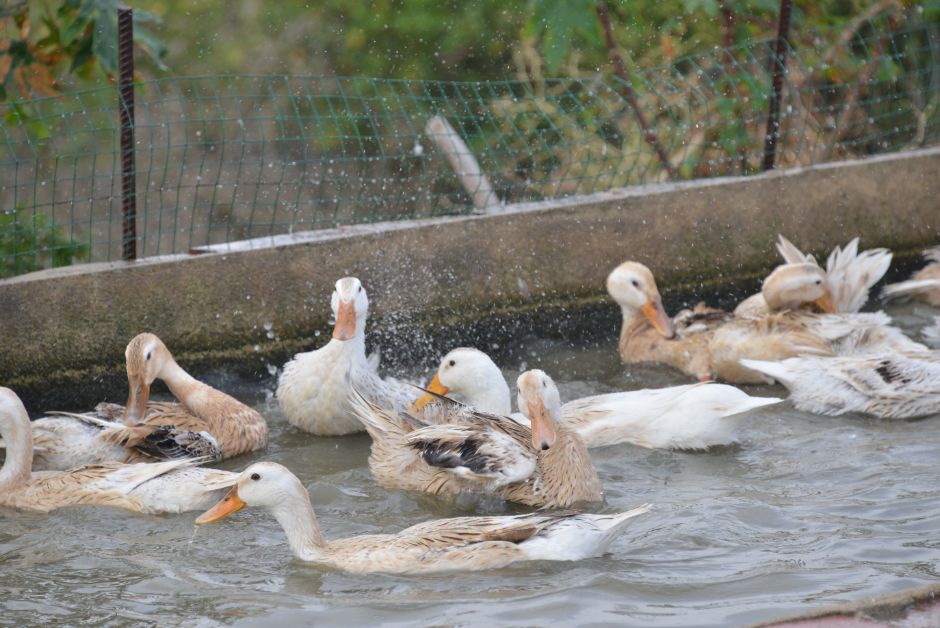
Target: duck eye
148,356
255,476
360,288
636,284
818,282
452,362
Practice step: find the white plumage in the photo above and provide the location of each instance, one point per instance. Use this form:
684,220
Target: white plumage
695,416
315,388
889,386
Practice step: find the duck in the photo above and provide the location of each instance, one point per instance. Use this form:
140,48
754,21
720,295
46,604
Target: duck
205,421
65,440
798,290
924,285
171,486
315,387
437,546
453,448
710,344
703,342
848,279
887,386
689,417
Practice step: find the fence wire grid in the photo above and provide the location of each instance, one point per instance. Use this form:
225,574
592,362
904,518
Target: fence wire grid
226,158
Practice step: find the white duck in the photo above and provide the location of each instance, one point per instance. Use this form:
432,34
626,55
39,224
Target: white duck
172,486
458,544
849,276
695,416
315,388
888,386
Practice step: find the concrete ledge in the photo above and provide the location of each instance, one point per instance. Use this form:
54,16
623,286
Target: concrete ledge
68,327
912,607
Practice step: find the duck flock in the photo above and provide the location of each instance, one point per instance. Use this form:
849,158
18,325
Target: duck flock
459,434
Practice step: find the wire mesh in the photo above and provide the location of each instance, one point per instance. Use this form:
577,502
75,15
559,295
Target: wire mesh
226,158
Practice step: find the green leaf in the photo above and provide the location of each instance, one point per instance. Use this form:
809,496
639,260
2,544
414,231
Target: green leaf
152,45
105,44
709,7
558,21
83,54
71,30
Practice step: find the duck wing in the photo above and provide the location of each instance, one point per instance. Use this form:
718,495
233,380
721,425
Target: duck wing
477,452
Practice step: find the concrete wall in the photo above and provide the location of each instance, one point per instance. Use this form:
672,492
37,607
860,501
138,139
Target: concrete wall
66,329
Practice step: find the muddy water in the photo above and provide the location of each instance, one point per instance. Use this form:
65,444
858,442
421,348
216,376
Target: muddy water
807,511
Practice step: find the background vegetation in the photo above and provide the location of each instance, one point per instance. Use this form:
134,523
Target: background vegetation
602,94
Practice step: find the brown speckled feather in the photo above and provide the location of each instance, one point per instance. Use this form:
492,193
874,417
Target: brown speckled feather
564,475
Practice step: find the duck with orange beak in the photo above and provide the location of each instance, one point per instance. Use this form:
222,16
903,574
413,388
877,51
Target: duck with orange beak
205,423
453,448
802,284
709,344
440,545
315,387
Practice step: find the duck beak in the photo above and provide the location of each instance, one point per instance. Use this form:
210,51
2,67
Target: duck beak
435,387
229,504
825,303
543,431
345,327
657,317
137,397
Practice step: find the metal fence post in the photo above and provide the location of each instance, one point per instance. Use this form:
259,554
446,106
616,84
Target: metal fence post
126,104
779,68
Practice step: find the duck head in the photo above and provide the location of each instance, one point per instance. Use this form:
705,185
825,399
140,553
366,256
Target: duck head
350,308
540,402
145,358
474,376
792,286
632,286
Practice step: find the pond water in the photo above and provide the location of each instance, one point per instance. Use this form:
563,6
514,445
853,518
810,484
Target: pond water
807,511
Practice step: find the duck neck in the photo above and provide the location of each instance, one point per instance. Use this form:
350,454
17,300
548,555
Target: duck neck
299,522
18,437
181,384
355,347
633,323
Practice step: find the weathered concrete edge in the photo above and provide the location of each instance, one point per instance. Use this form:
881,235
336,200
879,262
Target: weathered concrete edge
68,324
883,608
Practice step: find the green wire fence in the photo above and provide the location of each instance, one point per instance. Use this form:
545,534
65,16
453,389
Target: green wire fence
228,158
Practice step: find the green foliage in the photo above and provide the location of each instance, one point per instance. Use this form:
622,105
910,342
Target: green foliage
28,245
561,22
50,39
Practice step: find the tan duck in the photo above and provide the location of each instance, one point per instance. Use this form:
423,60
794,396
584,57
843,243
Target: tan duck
315,388
924,285
848,278
172,486
65,440
455,449
704,343
205,421
458,544
797,290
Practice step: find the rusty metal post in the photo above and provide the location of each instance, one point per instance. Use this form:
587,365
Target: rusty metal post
779,68
126,104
